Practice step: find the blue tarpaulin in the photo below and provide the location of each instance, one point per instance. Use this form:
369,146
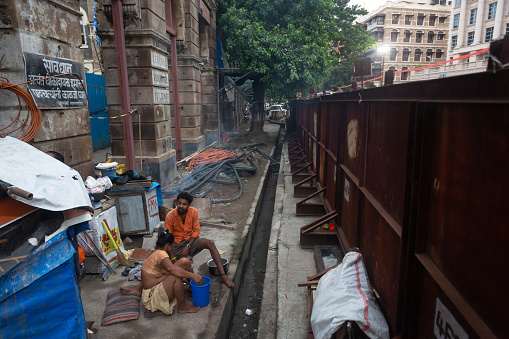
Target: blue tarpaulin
40,296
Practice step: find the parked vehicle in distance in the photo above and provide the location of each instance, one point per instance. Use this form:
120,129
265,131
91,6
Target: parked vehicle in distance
329,92
276,112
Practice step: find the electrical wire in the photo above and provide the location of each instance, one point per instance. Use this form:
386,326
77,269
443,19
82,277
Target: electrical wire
32,121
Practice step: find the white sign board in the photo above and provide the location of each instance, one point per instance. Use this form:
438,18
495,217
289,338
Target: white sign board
445,325
347,191
160,78
161,96
159,60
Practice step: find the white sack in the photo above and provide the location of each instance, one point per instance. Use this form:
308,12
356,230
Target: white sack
98,185
344,294
55,186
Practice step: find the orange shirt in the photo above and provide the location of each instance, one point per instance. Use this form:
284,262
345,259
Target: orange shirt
191,228
152,264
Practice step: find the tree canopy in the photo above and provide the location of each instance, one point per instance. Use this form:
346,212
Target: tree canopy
291,44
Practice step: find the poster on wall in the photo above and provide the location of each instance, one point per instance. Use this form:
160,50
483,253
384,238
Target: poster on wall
64,91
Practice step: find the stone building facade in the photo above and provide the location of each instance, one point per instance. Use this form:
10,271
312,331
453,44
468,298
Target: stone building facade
89,45
408,34
474,24
150,79
49,27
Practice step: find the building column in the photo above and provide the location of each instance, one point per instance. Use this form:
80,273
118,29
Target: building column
478,39
449,39
147,51
462,24
499,16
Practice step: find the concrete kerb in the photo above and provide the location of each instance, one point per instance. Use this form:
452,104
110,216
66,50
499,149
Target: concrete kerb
267,326
245,246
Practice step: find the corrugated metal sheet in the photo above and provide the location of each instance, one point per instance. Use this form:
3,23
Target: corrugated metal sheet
417,174
99,122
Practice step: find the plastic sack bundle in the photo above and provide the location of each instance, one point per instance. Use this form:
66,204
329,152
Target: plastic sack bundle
98,185
344,294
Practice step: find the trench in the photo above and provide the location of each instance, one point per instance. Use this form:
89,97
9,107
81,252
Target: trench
251,285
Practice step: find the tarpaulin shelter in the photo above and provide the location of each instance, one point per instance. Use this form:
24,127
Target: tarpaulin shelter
39,296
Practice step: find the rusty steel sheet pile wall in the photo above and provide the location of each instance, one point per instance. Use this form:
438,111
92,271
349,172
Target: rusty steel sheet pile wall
418,176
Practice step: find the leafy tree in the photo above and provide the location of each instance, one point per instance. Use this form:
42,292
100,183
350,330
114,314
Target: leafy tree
290,45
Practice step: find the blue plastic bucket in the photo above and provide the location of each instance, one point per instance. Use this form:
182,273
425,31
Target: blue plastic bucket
201,294
109,173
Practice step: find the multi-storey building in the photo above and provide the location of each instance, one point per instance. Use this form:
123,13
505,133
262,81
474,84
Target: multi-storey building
409,34
474,24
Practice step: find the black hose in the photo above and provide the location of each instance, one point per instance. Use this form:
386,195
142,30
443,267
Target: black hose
240,190
267,157
251,169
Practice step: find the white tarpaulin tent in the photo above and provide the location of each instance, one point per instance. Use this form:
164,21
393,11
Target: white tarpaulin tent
54,185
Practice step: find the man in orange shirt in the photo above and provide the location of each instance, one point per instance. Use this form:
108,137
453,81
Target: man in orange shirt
183,223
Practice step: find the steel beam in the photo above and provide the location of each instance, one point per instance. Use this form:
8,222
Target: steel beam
176,102
123,82
310,209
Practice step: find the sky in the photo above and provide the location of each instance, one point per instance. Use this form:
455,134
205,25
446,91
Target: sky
370,5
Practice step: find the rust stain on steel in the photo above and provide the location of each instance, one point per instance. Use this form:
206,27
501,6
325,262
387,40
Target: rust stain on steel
426,165
352,136
466,228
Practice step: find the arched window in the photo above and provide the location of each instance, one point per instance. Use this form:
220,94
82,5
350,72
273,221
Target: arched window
431,37
440,36
406,38
404,75
393,54
439,53
406,54
418,36
429,55
417,55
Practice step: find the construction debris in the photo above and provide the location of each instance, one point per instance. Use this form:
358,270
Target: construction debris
216,165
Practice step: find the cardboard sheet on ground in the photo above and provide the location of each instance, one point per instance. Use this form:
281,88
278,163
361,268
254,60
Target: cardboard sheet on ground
344,294
98,234
55,186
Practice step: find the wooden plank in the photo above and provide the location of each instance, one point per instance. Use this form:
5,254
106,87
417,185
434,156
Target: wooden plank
320,274
13,258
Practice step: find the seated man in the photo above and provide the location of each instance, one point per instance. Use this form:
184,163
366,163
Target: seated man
161,284
183,223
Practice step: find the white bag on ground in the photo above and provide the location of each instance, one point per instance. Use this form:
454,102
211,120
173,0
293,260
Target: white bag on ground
344,294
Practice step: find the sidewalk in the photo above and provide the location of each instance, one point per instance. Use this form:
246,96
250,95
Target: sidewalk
284,304
212,319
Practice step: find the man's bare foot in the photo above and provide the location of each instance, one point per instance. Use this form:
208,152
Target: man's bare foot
131,290
226,281
186,308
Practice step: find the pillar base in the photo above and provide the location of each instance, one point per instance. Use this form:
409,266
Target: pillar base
210,137
190,146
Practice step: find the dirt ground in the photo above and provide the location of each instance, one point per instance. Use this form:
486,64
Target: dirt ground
233,216
236,212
